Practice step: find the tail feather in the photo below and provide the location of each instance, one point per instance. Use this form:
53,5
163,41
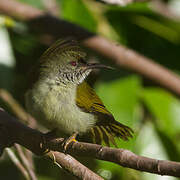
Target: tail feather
97,138
99,134
111,134
107,133
106,136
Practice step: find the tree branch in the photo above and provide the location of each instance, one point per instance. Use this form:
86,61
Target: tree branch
25,162
122,56
17,109
26,118
121,2
162,8
18,164
13,131
72,166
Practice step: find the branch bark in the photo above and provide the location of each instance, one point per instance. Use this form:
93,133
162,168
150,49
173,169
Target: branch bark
25,162
17,163
122,2
163,9
13,131
72,166
46,24
26,118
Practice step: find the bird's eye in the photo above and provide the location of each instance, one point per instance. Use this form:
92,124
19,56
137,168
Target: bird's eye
73,63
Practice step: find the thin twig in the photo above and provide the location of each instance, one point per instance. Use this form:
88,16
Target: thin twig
25,162
51,7
23,116
72,166
18,164
29,156
17,109
121,2
163,9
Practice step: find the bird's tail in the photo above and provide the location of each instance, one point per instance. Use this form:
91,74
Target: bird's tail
107,133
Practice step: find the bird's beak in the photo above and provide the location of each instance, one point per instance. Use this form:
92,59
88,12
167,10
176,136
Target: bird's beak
97,66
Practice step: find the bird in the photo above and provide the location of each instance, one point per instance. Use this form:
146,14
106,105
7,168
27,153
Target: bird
61,100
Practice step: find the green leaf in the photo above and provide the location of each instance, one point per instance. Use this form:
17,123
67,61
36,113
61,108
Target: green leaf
121,98
77,12
165,108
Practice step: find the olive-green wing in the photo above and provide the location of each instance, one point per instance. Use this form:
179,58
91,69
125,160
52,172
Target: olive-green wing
106,127
88,100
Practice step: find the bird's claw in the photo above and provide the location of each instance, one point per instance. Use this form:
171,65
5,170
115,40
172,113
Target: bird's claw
68,141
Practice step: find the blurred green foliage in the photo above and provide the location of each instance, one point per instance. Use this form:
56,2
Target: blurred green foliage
152,112
73,12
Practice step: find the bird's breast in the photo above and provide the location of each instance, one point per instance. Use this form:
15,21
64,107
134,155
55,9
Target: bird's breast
55,107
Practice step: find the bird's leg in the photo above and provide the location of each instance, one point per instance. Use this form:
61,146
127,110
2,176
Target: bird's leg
68,141
48,136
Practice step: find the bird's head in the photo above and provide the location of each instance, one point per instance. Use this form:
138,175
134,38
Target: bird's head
65,62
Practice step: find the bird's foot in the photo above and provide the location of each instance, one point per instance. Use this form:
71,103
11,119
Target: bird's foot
68,141
43,146
48,136
53,157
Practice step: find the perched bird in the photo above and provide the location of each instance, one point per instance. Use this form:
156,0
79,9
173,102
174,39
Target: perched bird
60,99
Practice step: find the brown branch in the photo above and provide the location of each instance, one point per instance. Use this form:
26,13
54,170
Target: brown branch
121,2
51,7
72,166
21,114
163,9
130,59
25,162
13,131
17,163
122,56
18,10
29,156
17,109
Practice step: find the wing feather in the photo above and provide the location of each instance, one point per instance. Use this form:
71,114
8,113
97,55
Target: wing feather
89,101
106,128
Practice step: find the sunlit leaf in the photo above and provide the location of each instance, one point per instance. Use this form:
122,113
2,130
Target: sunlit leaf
166,111
77,12
165,108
